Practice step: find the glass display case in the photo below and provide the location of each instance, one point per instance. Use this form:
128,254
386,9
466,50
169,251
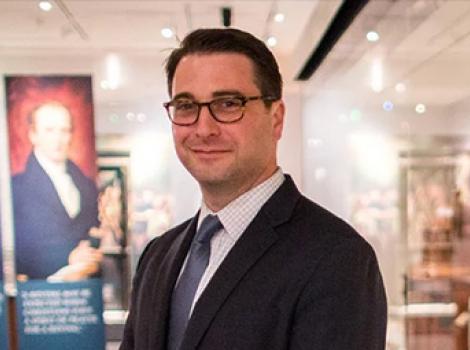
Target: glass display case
436,221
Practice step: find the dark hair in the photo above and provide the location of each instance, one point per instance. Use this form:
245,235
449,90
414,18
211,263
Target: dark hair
207,41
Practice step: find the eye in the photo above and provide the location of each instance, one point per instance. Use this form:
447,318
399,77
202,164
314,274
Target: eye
184,105
228,103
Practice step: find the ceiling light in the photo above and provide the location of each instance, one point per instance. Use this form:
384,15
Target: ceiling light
167,32
372,36
376,76
113,71
420,108
400,87
141,117
45,6
388,106
271,41
279,17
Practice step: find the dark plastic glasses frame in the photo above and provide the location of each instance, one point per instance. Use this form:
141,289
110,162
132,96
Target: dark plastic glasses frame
244,100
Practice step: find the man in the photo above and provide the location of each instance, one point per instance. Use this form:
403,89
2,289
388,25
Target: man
55,205
282,272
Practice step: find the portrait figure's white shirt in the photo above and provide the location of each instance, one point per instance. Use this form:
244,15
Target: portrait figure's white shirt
63,183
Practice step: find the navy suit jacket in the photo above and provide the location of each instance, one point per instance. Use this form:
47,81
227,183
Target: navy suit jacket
298,278
44,232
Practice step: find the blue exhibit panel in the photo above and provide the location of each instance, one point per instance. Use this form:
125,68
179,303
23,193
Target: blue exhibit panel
57,316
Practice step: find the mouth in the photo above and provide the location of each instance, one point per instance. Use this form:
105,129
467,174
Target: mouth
208,152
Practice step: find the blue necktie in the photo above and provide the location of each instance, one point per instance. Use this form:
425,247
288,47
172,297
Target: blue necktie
183,294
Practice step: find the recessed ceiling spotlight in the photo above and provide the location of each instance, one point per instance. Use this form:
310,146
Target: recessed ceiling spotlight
167,32
45,5
279,17
420,108
373,36
388,106
271,41
400,87
141,117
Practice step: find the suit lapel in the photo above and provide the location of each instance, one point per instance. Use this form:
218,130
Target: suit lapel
162,288
252,245
44,187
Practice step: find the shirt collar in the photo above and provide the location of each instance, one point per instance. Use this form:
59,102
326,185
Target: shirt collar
238,214
51,168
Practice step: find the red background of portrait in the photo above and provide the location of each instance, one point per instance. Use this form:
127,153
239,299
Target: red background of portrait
24,93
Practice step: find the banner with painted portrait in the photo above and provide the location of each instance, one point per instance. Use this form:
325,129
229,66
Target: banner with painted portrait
55,208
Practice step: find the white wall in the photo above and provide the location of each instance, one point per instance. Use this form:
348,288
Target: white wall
290,146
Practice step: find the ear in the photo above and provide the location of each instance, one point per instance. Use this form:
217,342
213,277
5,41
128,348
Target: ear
278,111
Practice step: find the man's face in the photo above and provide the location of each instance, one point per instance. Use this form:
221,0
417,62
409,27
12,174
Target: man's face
51,132
235,156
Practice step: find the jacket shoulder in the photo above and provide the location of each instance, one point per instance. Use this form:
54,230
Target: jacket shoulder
327,226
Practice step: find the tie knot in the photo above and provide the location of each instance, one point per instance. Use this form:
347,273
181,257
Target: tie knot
209,226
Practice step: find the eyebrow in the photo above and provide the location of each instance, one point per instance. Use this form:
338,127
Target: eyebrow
218,93
227,93
183,95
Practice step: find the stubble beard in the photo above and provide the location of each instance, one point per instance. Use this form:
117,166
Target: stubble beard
223,185
214,178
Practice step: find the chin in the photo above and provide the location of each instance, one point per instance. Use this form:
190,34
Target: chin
210,178
207,171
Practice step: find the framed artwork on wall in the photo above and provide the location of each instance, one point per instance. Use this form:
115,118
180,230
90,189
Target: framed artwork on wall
113,204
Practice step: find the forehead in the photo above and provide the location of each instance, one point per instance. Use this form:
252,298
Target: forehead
52,115
216,71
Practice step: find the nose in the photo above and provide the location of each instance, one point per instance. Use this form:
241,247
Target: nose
206,124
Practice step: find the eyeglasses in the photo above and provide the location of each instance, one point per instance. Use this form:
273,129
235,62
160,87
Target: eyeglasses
185,112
